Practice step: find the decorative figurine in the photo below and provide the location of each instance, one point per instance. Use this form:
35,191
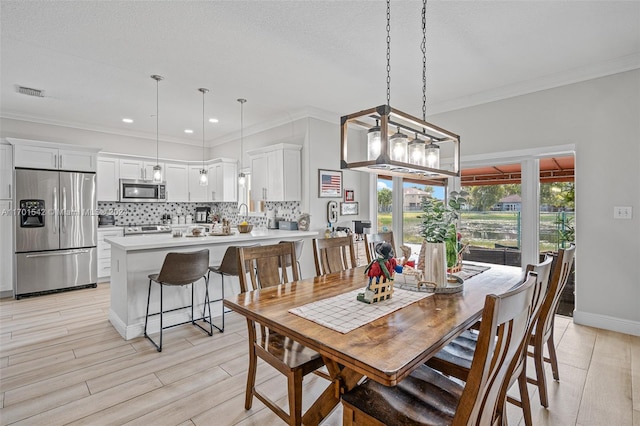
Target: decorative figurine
384,266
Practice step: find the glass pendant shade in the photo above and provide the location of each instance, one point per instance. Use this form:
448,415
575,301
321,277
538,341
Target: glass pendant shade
373,142
432,156
204,179
242,179
416,152
157,173
399,143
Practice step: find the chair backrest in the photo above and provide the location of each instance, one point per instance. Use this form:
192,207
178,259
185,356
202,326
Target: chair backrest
502,335
262,265
298,244
229,264
543,272
333,254
371,240
184,268
558,280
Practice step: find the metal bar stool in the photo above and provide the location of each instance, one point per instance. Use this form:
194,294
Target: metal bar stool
229,267
181,269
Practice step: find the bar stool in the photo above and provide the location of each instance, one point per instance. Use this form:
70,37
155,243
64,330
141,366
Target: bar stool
181,269
229,267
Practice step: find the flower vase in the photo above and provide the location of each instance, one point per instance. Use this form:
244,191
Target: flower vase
435,264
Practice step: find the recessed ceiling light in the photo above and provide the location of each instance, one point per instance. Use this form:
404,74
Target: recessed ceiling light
188,131
127,120
213,120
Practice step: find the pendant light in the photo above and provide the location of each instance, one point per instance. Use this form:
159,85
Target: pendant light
204,180
157,170
391,153
242,178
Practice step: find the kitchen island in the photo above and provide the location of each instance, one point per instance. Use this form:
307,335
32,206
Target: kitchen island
133,258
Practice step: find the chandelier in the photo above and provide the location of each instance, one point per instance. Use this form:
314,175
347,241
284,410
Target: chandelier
387,148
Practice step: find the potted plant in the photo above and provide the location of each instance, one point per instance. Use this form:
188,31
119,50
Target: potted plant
438,227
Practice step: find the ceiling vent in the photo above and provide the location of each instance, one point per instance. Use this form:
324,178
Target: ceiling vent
30,92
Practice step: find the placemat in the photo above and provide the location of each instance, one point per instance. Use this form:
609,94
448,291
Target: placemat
469,270
343,313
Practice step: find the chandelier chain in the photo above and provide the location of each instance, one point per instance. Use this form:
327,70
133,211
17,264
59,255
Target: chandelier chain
388,52
424,60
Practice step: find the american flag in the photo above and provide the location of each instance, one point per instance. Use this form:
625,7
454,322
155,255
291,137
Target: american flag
331,183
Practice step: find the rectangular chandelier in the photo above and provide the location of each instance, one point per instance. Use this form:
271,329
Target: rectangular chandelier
398,144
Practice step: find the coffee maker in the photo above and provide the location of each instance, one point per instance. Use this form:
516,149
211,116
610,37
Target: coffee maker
202,214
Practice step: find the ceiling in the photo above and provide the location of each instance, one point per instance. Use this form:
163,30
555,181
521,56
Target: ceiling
292,59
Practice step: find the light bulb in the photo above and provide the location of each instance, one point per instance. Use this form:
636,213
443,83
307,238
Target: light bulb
242,179
157,174
432,153
373,142
399,142
204,180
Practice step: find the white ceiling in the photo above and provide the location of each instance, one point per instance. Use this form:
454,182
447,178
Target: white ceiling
293,58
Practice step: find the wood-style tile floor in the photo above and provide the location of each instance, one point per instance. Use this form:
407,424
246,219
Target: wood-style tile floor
61,362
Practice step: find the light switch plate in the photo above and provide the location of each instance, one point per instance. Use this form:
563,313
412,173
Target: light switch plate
622,212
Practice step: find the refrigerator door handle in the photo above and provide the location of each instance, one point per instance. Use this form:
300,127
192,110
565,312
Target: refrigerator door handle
57,253
64,210
56,218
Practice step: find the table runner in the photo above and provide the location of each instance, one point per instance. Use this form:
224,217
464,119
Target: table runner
343,313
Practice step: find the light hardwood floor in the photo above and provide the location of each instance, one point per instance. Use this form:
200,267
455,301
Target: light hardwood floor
61,362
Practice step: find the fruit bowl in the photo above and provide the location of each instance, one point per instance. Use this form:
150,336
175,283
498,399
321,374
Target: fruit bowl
244,228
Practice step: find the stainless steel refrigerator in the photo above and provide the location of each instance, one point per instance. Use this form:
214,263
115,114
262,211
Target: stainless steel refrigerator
56,231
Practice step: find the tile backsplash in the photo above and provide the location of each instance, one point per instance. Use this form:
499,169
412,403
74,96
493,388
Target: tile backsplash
127,214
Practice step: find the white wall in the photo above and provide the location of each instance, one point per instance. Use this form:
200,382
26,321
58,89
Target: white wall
601,117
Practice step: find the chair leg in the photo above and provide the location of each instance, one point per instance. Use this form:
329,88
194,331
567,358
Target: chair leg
161,316
146,318
525,402
553,359
253,365
538,359
294,383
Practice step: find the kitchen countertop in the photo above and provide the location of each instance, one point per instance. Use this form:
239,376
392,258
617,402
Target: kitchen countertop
161,241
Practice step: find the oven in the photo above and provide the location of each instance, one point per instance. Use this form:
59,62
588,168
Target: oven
136,191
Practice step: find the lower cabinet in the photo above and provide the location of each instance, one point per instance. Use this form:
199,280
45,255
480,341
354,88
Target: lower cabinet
6,248
104,251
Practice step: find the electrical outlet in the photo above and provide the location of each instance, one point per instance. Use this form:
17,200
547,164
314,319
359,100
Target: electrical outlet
622,212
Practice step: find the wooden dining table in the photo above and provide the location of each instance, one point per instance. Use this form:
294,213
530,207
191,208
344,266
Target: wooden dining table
387,349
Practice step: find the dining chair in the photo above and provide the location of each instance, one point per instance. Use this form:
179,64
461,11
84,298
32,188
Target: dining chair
371,240
543,330
228,267
259,267
455,359
333,254
179,269
426,397
299,244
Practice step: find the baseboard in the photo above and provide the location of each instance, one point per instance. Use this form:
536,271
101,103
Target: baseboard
607,323
6,294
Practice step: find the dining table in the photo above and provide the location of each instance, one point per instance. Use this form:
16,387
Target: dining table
386,349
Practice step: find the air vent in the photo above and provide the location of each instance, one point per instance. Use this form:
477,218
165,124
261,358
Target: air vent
30,92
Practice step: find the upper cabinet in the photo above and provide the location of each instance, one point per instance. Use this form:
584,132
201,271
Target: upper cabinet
177,178
223,180
46,157
108,178
197,192
131,168
276,173
6,172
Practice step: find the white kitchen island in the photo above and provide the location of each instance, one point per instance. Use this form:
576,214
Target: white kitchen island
133,258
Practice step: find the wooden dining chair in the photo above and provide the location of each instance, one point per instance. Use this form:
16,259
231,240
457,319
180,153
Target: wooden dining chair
455,359
333,254
427,397
260,268
371,240
543,330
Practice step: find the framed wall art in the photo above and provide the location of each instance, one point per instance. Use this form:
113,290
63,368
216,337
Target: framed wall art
329,184
349,196
347,209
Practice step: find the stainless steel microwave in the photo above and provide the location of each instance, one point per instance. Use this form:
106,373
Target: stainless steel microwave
136,191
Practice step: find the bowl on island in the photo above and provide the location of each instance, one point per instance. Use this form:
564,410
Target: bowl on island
244,228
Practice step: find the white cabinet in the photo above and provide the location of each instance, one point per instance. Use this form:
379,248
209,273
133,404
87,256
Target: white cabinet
276,173
223,180
104,251
6,248
177,178
108,177
131,168
6,172
197,192
45,157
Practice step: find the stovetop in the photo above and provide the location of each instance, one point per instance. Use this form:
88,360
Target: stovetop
146,229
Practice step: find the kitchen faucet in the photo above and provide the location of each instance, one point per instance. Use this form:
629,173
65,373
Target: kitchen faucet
246,216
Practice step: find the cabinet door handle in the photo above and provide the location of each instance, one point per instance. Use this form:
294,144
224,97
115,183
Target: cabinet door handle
60,162
55,161
189,198
142,173
10,193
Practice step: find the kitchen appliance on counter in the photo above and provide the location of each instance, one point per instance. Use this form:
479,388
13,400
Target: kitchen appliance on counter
56,231
146,229
202,214
106,220
136,191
